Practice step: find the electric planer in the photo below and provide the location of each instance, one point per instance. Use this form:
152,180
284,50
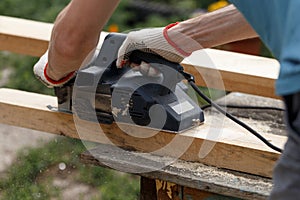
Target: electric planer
103,93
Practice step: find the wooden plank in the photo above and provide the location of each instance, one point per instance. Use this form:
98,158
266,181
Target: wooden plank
171,191
233,71
193,194
213,68
168,191
194,177
147,189
218,142
24,36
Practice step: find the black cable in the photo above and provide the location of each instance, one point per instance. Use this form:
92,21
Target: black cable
254,107
246,107
208,100
205,106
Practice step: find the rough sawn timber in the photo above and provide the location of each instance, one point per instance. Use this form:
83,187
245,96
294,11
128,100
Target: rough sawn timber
212,68
217,142
183,173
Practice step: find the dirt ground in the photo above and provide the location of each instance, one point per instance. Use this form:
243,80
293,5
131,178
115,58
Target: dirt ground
14,139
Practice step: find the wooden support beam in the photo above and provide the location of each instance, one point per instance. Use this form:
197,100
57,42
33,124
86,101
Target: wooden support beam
147,189
180,178
218,142
212,68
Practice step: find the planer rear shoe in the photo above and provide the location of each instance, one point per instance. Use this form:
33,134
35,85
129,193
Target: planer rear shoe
104,93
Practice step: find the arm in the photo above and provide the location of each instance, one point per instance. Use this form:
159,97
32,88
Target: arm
75,34
212,29
175,42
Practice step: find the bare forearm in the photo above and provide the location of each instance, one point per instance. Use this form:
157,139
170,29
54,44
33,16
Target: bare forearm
75,34
212,29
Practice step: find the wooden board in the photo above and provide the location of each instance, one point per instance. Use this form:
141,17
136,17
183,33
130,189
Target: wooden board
171,191
24,36
193,194
213,68
194,177
233,71
147,189
218,142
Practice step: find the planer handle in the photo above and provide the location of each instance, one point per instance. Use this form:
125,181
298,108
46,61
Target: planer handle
171,71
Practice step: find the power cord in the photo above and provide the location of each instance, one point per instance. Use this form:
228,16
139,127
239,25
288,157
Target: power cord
246,107
191,81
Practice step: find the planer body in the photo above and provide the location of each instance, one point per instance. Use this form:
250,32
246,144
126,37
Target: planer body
103,93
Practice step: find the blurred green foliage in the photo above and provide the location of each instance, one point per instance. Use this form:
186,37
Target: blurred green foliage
32,9
22,77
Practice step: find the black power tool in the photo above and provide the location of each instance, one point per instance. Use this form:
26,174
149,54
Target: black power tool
104,93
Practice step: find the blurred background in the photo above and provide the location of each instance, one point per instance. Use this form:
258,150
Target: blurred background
47,167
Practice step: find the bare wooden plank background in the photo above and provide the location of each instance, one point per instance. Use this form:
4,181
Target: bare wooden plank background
212,68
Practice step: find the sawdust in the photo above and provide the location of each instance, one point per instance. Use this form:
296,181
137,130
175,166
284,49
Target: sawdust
213,175
262,120
225,177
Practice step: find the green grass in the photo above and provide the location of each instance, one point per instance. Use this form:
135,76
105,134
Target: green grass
26,179
22,76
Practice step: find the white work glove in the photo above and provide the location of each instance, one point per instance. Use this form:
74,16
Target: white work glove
152,40
39,71
40,67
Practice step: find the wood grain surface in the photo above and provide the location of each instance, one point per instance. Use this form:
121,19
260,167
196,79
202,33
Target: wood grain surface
217,142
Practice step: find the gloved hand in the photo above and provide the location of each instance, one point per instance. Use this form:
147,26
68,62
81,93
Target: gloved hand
40,68
152,40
